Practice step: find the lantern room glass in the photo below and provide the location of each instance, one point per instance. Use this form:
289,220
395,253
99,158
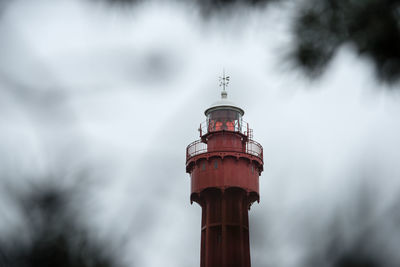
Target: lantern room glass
224,119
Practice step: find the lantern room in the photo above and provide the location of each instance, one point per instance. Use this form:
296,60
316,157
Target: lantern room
224,115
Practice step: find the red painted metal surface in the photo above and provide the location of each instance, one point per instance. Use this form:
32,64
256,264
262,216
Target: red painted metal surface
224,166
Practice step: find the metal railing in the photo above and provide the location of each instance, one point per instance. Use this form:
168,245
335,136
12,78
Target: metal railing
239,127
198,147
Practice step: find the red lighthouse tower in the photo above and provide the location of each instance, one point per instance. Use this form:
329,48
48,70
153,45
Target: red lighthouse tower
224,166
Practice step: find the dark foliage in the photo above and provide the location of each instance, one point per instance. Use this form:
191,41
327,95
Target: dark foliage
123,1
51,235
355,260
120,5
208,6
358,235
371,26
212,6
322,26
356,254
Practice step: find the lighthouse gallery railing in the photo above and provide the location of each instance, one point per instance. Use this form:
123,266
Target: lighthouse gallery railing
198,147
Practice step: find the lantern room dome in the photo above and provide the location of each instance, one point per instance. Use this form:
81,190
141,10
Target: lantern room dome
224,103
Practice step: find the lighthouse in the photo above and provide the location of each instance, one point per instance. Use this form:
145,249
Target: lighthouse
224,167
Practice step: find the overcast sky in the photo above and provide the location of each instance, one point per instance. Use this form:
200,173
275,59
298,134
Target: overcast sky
118,95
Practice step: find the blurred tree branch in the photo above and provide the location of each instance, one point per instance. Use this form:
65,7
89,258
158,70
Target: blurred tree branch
321,27
52,235
371,26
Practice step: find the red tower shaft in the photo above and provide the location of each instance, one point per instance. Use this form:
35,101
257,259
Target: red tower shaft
224,166
225,228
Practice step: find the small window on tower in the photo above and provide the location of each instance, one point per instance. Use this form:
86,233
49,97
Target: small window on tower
215,164
252,168
203,166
